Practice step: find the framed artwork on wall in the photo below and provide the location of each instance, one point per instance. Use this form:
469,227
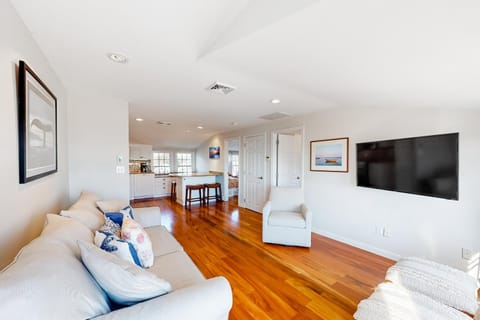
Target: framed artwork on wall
37,126
214,152
329,155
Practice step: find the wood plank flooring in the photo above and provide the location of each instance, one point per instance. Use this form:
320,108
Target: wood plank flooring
269,281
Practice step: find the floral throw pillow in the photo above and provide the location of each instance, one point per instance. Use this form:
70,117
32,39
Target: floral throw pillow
111,227
135,234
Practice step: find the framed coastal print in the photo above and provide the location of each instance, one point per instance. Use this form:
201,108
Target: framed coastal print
329,155
37,126
214,152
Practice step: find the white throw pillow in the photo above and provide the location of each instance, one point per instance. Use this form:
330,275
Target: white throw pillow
121,248
124,283
135,234
90,219
87,201
66,231
111,205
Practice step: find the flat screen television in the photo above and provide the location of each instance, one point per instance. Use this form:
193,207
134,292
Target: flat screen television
421,165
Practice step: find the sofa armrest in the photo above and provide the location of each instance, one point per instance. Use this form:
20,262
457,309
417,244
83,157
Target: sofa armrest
267,208
209,300
307,214
148,217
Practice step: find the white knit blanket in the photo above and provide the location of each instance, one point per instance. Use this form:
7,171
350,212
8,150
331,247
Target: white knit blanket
444,284
393,302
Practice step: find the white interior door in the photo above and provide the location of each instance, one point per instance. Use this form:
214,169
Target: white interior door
254,169
289,160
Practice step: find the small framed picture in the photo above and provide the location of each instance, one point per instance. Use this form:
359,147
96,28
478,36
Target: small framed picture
329,155
214,152
37,126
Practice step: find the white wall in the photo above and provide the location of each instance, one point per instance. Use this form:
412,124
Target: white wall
98,134
204,164
24,206
422,226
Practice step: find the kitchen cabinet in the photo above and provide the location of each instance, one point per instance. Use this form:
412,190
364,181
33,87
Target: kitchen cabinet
162,186
144,185
140,152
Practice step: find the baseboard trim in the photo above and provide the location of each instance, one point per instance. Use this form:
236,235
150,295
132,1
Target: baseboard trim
357,244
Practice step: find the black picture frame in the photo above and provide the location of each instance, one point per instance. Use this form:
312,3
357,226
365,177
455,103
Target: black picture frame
37,126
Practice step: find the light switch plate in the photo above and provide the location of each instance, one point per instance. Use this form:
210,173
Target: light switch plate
120,169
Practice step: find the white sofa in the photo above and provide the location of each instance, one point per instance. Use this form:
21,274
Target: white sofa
47,279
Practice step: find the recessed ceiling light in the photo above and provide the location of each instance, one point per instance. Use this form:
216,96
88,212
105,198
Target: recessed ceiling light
200,127
139,119
275,101
188,131
117,57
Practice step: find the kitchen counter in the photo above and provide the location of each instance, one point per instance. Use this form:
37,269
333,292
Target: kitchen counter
183,180
141,172
196,174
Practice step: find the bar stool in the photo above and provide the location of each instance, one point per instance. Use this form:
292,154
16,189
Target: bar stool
173,191
218,192
188,194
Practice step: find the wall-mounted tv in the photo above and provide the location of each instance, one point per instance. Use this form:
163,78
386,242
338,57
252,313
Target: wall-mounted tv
421,165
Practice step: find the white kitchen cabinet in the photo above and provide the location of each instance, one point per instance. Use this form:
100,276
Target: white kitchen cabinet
144,185
140,152
162,186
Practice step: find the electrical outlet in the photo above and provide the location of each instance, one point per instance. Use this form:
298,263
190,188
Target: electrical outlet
467,254
386,232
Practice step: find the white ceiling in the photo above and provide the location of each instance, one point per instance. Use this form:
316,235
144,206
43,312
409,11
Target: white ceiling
311,54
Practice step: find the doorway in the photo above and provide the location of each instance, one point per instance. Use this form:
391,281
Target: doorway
254,172
287,168
232,165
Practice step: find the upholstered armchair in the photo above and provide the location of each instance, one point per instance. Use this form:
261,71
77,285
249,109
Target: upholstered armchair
286,219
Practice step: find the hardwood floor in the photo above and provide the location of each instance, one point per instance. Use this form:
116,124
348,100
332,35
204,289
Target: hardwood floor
269,281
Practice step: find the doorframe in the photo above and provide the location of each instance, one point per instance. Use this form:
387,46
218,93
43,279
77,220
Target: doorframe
243,176
225,166
273,167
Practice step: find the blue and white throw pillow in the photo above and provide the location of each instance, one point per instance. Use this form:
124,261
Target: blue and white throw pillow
113,244
117,217
111,227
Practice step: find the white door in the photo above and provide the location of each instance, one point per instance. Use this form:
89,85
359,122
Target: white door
289,160
254,155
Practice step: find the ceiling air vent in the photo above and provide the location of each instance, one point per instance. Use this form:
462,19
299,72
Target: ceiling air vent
220,88
275,116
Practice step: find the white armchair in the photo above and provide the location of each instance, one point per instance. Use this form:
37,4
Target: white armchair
286,219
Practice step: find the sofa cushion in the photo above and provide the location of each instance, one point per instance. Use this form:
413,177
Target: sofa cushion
90,219
162,241
116,246
124,283
148,217
135,234
286,219
48,281
178,269
111,205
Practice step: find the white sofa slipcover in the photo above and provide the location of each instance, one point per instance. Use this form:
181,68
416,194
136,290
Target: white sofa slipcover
286,219
47,279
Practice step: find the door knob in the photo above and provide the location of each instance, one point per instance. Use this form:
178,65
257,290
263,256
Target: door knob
261,178
298,178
